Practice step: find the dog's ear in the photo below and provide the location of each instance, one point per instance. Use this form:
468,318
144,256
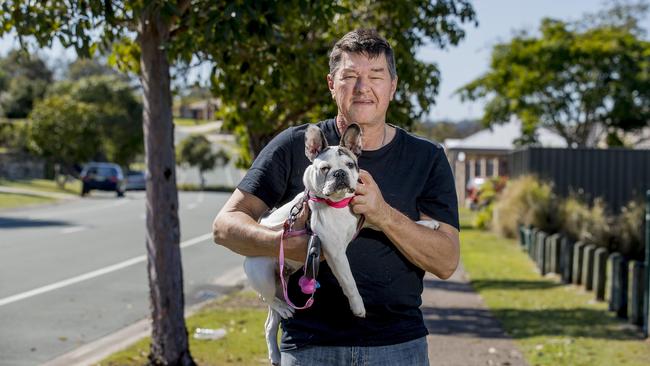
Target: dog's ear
315,142
352,139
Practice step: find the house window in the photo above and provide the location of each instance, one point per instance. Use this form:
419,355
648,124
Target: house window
489,168
477,168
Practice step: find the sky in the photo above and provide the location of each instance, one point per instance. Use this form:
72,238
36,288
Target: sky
498,19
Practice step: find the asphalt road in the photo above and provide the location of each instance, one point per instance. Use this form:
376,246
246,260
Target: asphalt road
74,272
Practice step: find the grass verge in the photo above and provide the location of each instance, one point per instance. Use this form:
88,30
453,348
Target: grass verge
43,185
241,314
553,324
12,200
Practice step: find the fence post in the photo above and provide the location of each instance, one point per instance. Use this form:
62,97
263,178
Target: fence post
646,295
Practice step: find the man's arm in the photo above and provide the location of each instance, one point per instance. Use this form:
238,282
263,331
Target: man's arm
435,251
236,227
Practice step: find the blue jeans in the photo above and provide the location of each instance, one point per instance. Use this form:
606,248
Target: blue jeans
411,353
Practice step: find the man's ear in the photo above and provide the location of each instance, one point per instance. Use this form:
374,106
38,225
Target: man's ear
352,139
393,88
315,142
330,84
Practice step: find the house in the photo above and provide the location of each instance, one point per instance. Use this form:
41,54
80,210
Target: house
485,153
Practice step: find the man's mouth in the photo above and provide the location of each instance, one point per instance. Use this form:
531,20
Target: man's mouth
363,101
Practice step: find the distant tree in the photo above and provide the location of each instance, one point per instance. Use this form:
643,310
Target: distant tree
196,151
64,131
117,114
86,67
24,79
577,82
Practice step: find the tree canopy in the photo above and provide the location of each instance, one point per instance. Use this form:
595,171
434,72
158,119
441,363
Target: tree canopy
584,83
267,83
93,118
24,78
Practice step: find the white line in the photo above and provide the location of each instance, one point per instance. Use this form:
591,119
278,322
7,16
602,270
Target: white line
191,206
73,229
93,274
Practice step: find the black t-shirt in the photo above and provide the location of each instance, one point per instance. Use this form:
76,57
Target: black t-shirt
414,176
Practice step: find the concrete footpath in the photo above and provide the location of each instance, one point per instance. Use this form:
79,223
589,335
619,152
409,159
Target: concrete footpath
462,330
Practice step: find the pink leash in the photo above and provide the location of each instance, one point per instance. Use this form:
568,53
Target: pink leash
287,233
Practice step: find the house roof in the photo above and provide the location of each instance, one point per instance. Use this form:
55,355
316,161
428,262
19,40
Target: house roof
502,136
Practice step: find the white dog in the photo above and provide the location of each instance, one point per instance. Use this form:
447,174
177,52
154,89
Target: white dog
332,177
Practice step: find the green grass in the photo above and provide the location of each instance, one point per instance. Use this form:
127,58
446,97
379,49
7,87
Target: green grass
241,314
189,122
44,185
553,324
11,200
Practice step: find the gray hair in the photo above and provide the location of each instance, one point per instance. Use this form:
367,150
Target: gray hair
364,41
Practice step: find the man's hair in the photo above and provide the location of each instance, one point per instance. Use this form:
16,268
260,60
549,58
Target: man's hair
364,41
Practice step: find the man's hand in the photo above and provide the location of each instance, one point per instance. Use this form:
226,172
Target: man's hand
370,202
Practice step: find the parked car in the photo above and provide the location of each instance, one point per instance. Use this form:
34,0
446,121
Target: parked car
135,180
102,177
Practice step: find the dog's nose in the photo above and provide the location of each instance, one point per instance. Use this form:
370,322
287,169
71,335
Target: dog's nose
340,174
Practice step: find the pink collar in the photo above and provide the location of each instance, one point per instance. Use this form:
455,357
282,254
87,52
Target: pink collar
336,204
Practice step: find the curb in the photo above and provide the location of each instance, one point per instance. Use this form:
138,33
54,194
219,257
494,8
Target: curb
94,352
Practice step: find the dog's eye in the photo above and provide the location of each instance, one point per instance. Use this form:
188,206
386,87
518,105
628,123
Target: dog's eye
325,169
350,165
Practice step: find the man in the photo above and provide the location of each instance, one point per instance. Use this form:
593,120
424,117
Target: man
403,179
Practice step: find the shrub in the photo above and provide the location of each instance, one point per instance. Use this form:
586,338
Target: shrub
630,229
574,214
526,201
598,228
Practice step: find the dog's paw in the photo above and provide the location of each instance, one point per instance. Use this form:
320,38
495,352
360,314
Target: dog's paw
433,224
282,308
358,309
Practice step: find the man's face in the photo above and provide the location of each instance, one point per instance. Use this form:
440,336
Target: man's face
362,88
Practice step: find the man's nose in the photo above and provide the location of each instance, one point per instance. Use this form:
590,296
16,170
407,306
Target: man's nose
361,85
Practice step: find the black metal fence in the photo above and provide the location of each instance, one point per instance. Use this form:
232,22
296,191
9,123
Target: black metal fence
616,175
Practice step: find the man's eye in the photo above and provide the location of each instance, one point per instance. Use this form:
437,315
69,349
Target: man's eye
349,77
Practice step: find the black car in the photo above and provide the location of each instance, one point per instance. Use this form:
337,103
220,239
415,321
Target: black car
102,177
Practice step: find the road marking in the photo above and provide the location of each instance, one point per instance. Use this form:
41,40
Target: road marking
192,206
73,229
93,274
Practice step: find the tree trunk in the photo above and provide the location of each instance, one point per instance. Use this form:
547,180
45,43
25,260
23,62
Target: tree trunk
169,344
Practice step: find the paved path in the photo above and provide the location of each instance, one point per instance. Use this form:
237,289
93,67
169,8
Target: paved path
462,330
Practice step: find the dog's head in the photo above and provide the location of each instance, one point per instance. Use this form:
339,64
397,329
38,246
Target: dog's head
334,170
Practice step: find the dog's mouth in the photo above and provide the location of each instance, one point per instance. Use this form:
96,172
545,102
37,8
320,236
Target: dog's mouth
337,188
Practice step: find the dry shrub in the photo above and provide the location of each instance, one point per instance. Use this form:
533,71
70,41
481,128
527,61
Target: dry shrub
599,227
526,201
630,229
574,214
